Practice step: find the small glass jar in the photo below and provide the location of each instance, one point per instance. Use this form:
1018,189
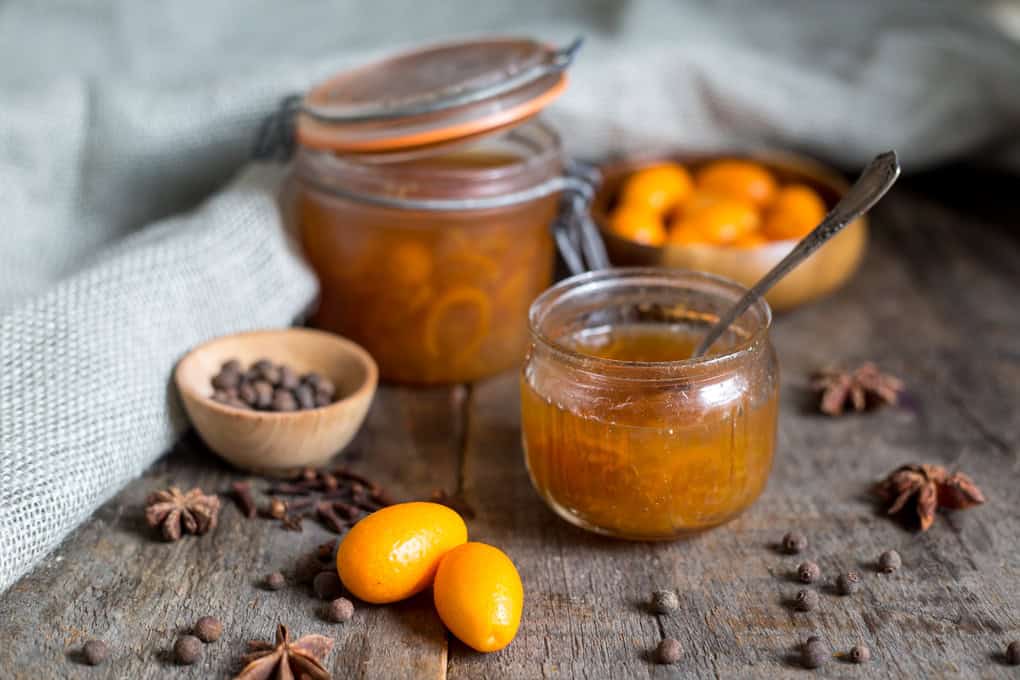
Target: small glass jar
435,295
655,448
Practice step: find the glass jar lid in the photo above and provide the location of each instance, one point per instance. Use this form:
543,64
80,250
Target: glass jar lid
436,94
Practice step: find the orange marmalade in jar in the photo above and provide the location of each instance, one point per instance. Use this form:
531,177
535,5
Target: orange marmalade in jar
424,191
624,433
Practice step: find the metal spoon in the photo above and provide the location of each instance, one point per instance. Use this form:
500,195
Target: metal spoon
873,183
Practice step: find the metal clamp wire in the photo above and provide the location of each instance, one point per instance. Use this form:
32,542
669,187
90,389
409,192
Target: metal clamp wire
558,61
275,138
564,183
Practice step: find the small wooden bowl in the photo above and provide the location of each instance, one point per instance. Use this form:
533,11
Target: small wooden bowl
278,443
817,276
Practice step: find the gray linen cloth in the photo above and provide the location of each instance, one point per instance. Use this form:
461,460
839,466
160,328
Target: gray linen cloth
124,242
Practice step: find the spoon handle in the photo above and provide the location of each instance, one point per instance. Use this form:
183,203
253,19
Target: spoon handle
873,183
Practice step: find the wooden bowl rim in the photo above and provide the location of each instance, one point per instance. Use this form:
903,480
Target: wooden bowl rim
817,171
364,390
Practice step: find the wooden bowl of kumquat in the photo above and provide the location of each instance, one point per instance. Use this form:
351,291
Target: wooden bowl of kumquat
735,215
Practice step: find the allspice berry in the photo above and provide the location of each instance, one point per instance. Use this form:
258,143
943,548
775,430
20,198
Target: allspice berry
668,651
187,649
263,394
848,583
889,561
814,653
307,568
208,629
95,652
860,654
275,581
806,600
340,610
305,397
795,542
289,379
808,572
664,602
284,401
1013,653
327,586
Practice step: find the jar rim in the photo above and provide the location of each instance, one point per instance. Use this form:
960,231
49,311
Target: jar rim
647,370
395,175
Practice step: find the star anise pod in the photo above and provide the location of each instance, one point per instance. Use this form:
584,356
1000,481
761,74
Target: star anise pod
176,513
928,488
862,388
287,660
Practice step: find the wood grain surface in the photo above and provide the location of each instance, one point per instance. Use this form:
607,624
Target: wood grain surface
936,302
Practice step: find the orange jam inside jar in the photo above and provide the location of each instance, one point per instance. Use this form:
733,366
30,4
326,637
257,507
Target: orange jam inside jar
436,296
624,433
425,189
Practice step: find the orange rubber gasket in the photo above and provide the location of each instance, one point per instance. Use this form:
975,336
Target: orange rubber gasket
318,135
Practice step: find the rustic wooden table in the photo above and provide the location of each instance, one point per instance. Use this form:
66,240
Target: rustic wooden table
935,302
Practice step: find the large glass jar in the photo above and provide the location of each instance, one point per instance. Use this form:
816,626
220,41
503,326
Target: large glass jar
435,295
426,193
626,435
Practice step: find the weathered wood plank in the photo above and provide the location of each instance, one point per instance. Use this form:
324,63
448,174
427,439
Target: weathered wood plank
114,581
935,302
938,316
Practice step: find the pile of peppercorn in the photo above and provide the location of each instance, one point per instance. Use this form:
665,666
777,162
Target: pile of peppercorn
266,386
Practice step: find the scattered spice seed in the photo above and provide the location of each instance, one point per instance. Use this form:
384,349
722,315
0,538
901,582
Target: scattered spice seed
208,629
329,481
860,654
292,523
382,497
177,513
344,473
326,551
327,586
289,489
926,488
848,583
300,505
329,517
889,561
95,652
808,572
283,401
289,379
795,542
305,396
814,653
340,610
286,658
266,386
275,581
307,568
277,508
806,600
664,602
1013,653
241,492
263,395
337,497
187,650
865,387
348,511
669,651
